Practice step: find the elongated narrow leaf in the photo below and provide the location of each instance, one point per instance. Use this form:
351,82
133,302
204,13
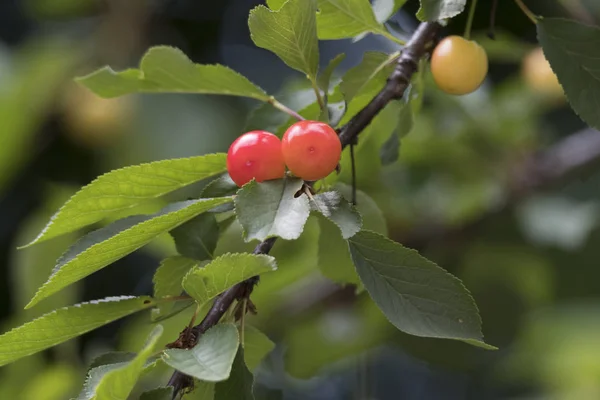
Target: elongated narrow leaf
106,245
115,357
240,383
204,283
435,10
168,281
290,33
416,295
339,211
256,346
66,323
368,77
384,9
118,383
269,209
197,238
127,187
573,51
212,357
324,79
165,69
340,19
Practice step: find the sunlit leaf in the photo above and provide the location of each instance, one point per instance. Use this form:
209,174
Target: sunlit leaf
290,33
127,187
367,78
573,51
256,346
165,69
205,282
384,9
106,245
270,209
66,323
212,357
340,19
416,295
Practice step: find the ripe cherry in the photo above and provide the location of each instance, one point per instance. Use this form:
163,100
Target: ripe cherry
311,149
255,155
458,65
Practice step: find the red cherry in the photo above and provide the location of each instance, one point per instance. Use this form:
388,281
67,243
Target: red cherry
311,149
255,155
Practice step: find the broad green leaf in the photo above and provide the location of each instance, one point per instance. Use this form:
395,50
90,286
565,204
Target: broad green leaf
66,323
390,150
118,383
341,19
367,78
165,69
573,51
127,187
221,187
334,257
212,357
384,9
240,383
265,117
106,245
275,5
269,209
339,211
204,283
161,393
115,357
290,33
168,280
202,391
416,295
256,346
435,10
197,238
324,79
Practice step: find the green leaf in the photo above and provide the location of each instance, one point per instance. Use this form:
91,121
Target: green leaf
334,256
118,383
341,19
369,77
416,295
339,211
324,79
106,245
167,281
573,51
114,357
204,283
435,10
221,187
275,5
390,150
290,33
197,238
161,393
240,383
334,113
127,187
256,346
212,357
66,323
384,9
202,391
269,209
166,69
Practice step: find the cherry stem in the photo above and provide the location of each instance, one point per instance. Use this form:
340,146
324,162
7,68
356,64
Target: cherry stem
467,34
393,38
526,11
285,109
492,28
318,94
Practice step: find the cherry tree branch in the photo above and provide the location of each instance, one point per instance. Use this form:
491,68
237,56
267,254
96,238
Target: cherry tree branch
396,84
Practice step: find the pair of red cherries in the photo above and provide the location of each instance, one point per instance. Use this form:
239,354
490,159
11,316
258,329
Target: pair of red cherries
310,149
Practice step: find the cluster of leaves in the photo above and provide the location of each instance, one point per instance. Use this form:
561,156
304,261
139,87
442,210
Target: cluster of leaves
415,295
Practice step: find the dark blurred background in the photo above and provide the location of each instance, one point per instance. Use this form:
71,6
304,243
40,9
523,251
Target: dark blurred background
531,263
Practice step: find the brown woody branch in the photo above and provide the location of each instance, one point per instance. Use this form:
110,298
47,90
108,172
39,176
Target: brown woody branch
396,84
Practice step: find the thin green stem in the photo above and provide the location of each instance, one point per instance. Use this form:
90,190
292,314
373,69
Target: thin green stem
526,11
470,19
391,37
285,109
318,94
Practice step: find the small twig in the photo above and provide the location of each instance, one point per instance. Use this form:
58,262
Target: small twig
320,99
285,109
526,11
